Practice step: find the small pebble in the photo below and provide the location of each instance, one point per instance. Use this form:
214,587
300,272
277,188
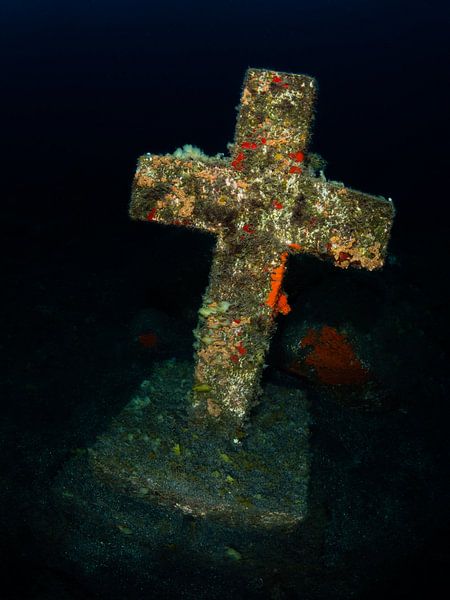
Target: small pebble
124,529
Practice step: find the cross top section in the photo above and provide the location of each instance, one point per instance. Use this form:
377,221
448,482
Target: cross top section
263,203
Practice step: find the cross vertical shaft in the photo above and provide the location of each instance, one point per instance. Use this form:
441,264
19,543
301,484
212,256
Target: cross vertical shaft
232,337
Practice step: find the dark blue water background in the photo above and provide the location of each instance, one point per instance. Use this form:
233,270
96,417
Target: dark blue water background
89,86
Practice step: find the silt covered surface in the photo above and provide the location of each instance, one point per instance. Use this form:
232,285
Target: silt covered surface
154,452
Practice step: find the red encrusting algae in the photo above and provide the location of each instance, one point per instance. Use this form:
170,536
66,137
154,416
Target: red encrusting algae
151,214
332,357
277,299
148,340
237,163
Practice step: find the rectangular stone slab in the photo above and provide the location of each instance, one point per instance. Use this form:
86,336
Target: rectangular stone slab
150,453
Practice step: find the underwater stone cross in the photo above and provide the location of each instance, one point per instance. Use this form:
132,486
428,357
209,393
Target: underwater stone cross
263,202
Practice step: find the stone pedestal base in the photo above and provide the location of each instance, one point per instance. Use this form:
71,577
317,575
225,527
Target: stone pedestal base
257,477
157,508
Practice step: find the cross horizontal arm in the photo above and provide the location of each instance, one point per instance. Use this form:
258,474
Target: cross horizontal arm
200,193
331,220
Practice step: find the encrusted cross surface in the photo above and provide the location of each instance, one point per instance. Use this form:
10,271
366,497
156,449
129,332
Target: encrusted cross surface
263,202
